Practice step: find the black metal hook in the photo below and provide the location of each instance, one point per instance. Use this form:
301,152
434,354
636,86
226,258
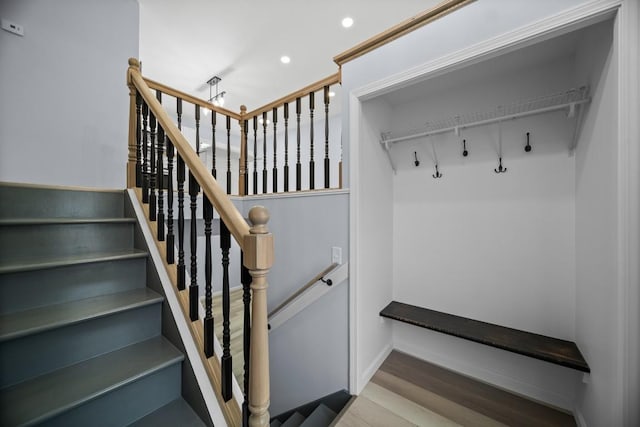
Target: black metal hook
328,281
465,153
500,168
527,148
437,174
416,162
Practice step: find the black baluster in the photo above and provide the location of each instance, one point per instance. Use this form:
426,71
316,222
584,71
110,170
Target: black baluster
193,287
298,164
326,138
179,112
170,235
145,153
245,279
245,127
160,185
264,153
274,189
139,132
312,163
286,147
207,213
214,119
228,155
255,155
152,168
198,130
181,266
227,371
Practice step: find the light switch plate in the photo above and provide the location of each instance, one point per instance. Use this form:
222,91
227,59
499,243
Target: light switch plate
12,27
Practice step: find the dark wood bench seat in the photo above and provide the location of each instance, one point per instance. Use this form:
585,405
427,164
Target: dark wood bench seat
553,350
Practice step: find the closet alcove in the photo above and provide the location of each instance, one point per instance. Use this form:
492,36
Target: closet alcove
518,248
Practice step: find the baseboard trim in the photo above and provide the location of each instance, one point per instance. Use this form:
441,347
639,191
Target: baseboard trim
373,367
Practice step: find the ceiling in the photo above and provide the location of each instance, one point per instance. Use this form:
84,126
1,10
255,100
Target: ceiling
183,44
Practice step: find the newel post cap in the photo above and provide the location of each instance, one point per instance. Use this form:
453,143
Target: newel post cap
259,217
134,63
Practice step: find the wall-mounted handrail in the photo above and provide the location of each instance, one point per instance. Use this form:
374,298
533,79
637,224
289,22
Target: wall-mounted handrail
338,275
317,278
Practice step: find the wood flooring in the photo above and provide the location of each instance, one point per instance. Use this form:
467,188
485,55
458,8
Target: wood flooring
406,391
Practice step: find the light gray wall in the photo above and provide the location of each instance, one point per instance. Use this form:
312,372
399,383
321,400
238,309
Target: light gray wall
309,353
64,105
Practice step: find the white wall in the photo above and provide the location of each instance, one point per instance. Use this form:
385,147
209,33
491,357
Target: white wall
371,222
64,109
596,233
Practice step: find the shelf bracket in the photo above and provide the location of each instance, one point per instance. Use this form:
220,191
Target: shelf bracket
577,127
385,145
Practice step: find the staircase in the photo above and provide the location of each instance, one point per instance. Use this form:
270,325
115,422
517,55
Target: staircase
319,413
80,333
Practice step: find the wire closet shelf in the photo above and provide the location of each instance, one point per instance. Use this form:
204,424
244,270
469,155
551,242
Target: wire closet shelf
570,100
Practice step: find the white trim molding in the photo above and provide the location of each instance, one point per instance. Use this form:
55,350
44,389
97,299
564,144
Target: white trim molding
629,211
544,29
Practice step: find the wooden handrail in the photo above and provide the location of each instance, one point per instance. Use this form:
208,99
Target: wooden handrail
228,212
189,98
297,293
313,87
399,30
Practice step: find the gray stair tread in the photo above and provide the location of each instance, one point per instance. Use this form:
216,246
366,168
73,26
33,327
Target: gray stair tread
294,420
175,413
43,221
275,423
26,322
43,397
54,262
320,417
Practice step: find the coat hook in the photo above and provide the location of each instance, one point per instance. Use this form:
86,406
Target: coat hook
416,162
500,168
527,148
437,174
435,161
465,153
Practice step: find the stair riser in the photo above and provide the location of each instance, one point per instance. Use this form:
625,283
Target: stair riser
30,289
36,354
26,202
125,404
31,241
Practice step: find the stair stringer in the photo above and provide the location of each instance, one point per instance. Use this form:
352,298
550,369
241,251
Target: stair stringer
209,395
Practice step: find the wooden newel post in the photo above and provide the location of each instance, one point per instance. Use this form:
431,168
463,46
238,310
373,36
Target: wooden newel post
258,258
134,65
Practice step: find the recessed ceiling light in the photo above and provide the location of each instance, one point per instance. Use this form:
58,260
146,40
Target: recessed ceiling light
285,59
347,22
332,94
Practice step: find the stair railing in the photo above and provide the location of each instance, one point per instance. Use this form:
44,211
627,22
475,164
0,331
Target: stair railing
272,121
153,136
